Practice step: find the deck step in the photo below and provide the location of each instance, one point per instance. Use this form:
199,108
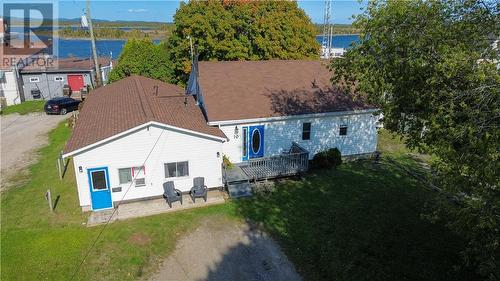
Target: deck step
239,189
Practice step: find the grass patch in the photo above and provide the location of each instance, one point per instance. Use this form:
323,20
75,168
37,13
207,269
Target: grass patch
359,222
40,245
24,108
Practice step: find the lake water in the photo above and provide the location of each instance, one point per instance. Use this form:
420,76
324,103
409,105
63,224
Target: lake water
82,48
341,41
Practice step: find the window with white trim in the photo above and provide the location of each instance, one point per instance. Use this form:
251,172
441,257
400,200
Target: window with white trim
343,130
176,169
135,174
34,79
306,131
58,78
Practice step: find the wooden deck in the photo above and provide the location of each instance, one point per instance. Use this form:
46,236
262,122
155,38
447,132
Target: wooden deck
294,162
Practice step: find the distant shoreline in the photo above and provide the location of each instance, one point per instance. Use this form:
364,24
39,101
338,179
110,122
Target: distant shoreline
97,39
340,34
157,38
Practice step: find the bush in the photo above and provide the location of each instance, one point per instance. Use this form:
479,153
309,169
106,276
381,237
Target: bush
335,157
327,159
227,163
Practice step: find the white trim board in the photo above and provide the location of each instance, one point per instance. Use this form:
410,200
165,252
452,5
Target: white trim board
137,128
290,117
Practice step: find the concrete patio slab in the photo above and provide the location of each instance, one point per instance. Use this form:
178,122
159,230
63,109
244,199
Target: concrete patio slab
152,207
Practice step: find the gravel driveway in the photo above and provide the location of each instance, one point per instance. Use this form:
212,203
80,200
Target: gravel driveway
20,136
222,250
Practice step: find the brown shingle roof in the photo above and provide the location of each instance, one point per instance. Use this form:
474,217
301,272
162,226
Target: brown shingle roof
11,57
131,102
257,89
69,64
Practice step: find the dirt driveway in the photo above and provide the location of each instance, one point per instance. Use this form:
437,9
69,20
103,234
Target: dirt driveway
20,136
222,250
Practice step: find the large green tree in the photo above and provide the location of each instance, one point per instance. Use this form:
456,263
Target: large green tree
143,57
241,30
433,68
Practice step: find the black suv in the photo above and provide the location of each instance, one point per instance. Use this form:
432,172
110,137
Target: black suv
61,105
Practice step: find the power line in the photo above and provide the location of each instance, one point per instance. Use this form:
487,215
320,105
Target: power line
115,209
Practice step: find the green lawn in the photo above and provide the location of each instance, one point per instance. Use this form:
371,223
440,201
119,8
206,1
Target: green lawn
361,222
24,108
39,245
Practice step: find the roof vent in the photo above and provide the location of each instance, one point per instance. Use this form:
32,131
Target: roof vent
155,89
314,84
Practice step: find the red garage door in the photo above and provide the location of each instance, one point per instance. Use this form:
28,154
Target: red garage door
75,82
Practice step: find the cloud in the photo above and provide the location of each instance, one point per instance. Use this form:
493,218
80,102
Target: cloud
137,10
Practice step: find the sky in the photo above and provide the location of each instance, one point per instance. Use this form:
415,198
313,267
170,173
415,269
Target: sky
163,11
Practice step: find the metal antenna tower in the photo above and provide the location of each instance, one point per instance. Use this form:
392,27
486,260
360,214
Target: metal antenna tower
326,42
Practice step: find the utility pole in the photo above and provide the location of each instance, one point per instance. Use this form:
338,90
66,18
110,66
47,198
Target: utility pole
94,51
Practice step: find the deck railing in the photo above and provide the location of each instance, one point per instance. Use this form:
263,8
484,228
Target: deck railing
293,162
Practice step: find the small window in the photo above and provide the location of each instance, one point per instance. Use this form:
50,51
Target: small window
34,79
306,131
125,175
99,180
245,136
59,78
176,169
256,141
136,174
343,130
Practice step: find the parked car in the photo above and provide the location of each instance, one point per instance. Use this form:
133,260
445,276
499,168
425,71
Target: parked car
61,105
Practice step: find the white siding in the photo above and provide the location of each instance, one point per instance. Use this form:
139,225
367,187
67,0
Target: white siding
279,135
8,87
132,150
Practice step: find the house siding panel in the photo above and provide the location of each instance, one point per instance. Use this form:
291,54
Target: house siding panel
47,85
131,151
8,87
279,135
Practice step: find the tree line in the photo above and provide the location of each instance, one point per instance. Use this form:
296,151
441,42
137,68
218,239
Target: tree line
226,30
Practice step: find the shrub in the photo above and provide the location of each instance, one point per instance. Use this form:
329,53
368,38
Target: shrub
335,157
227,163
327,159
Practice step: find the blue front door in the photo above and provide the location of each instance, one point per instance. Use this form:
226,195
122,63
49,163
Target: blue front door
256,141
100,192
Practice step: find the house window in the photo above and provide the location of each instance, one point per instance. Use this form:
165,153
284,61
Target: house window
34,79
343,130
176,169
306,131
59,78
245,141
136,174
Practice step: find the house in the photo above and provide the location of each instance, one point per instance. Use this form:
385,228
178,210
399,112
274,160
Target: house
11,60
46,82
135,134
264,106
140,125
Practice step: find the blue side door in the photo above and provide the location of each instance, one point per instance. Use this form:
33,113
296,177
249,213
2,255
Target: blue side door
100,192
256,141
